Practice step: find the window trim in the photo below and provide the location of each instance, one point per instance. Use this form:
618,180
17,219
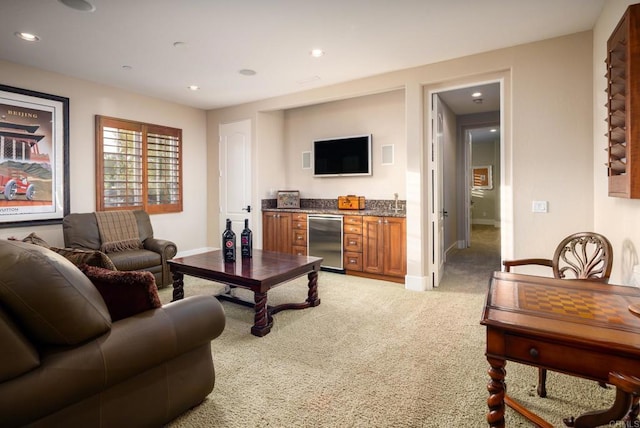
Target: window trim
144,128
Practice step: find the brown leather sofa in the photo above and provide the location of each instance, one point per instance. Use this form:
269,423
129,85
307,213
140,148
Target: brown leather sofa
63,362
80,231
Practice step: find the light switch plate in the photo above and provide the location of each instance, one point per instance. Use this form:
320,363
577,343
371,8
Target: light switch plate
540,207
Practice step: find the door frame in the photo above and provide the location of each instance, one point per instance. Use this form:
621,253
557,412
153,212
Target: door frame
506,161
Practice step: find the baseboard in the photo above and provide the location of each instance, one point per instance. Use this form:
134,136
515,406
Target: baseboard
417,283
483,221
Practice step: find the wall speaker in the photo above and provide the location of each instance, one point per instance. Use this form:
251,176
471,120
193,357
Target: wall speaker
306,160
387,154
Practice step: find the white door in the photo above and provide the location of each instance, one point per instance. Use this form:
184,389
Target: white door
436,192
235,176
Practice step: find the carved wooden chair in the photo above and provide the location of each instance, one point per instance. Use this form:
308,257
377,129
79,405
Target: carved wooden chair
624,408
583,255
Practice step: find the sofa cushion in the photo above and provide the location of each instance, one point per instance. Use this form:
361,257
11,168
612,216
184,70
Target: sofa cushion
89,257
50,298
75,255
18,355
32,238
80,230
125,293
135,259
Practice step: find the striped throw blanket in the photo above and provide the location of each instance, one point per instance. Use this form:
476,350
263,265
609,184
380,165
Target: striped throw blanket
118,231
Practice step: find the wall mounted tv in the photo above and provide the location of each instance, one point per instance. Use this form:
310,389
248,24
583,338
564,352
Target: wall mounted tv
335,157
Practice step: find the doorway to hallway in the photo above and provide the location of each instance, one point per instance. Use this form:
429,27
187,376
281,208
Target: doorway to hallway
471,173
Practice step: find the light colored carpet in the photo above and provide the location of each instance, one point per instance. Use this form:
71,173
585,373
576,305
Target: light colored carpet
373,355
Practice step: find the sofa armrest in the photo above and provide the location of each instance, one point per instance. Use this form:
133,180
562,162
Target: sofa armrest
163,247
133,346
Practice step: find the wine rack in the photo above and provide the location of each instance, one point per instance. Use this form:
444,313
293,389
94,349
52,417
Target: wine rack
623,106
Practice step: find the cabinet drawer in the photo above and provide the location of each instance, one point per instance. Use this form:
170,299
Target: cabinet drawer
300,238
576,360
299,250
299,218
299,224
352,228
353,243
352,219
353,261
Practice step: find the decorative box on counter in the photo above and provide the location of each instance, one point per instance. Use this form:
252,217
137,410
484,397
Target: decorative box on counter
351,202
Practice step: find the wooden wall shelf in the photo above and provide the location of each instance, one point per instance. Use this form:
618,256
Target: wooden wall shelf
623,106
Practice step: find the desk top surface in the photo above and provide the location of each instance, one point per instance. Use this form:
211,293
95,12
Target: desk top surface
573,309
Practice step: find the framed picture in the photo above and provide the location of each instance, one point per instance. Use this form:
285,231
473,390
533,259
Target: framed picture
288,199
34,157
482,177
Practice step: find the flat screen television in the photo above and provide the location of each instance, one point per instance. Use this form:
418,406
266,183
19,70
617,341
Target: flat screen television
335,157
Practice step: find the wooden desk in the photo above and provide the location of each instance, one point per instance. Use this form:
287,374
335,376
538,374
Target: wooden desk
580,328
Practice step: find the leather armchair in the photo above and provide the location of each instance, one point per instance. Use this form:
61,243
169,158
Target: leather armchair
80,231
65,363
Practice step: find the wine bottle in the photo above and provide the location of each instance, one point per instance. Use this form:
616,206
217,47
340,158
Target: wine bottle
246,241
229,243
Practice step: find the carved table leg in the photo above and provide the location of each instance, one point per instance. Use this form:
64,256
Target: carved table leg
497,389
178,286
312,297
262,320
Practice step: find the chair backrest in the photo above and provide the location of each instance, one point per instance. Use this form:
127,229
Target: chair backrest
584,255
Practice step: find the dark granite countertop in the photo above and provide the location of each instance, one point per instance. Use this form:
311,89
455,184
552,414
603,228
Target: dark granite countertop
367,212
373,207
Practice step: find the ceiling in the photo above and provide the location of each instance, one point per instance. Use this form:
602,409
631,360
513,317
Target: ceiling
160,47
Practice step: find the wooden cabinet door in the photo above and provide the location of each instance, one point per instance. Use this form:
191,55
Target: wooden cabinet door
276,232
372,245
395,249
269,231
285,235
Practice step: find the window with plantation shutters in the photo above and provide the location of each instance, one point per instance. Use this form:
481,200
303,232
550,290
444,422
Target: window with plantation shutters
138,166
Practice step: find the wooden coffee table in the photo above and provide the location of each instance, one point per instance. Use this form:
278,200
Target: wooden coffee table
262,272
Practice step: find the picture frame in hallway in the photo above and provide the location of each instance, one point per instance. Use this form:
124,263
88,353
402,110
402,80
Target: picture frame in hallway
34,157
482,177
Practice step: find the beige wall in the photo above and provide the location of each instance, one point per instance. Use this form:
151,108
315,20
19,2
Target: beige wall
618,219
548,127
381,115
547,116
86,99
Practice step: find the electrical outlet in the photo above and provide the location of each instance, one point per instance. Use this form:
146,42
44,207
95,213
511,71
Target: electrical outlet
540,207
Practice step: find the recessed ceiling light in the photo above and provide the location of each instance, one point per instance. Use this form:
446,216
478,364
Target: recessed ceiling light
477,100
193,87
179,44
493,130
247,72
476,94
27,36
127,67
317,53
80,5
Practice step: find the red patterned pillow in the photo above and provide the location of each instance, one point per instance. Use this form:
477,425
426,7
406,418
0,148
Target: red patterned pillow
125,293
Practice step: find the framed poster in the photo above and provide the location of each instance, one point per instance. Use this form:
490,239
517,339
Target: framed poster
482,177
34,157
288,199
